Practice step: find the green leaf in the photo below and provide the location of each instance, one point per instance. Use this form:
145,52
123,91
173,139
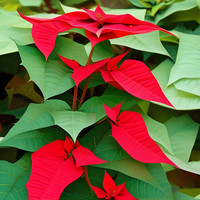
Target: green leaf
72,2
175,7
181,100
13,178
185,74
181,196
141,3
37,116
182,134
30,2
13,27
68,48
109,149
149,42
73,121
33,140
78,190
145,191
95,104
51,76
130,167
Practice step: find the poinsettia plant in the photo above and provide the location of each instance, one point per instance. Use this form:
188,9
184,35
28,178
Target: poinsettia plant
91,129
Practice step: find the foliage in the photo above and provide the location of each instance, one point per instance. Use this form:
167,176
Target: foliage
95,105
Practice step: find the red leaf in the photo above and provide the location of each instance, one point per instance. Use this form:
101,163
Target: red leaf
132,135
124,195
51,172
108,184
99,192
136,78
84,156
80,73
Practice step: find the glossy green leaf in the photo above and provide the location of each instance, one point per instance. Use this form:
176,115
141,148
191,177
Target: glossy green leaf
149,42
181,100
175,7
52,77
73,121
13,178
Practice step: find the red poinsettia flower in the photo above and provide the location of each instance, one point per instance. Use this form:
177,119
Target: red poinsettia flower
99,26
111,191
130,131
56,165
132,76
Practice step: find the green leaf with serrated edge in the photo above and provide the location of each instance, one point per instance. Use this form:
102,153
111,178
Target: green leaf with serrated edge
37,116
33,140
175,7
109,149
78,190
51,76
73,121
132,168
182,134
95,104
149,42
13,178
179,99
143,190
68,48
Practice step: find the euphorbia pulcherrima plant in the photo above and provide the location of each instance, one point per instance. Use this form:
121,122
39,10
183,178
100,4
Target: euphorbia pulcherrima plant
112,191
59,163
98,25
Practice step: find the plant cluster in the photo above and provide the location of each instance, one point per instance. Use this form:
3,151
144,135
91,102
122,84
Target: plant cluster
106,118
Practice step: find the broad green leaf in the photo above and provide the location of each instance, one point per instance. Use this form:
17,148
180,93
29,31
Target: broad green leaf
175,7
37,116
130,167
145,191
181,100
73,121
187,62
13,178
182,134
149,42
71,50
52,77
9,32
108,149
30,2
33,140
185,74
141,3
72,2
78,190
95,104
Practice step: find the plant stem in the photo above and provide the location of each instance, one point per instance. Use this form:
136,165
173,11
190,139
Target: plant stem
75,98
86,177
88,79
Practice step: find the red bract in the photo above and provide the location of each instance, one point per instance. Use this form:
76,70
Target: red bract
56,165
132,76
111,191
99,26
130,131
